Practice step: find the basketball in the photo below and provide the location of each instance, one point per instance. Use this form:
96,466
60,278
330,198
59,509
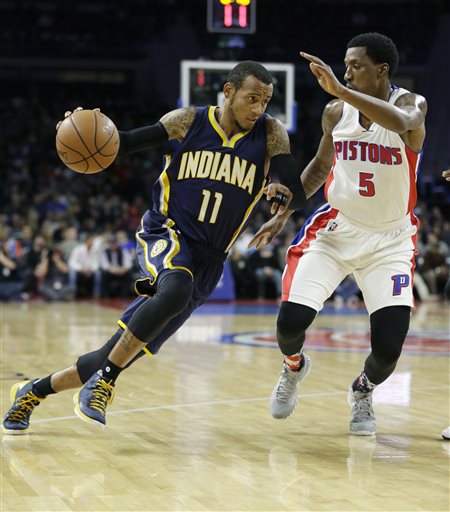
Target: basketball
87,141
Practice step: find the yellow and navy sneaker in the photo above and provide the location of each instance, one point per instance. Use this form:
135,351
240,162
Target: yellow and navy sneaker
24,399
92,399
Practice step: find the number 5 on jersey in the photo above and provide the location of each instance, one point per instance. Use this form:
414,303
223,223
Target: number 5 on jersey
203,209
366,185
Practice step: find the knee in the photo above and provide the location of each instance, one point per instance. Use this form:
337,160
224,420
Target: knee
177,289
292,322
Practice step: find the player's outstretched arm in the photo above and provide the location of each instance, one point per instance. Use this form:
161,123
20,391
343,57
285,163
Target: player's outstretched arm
173,125
397,118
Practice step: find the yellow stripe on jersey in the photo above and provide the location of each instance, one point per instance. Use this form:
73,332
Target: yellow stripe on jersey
226,142
145,349
165,188
246,216
174,251
151,268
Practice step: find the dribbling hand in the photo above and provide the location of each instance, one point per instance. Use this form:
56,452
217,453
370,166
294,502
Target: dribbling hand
68,113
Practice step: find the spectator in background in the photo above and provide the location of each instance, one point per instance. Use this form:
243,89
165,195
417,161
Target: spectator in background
124,242
70,241
445,232
84,268
116,264
264,264
12,286
435,269
30,262
243,276
53,276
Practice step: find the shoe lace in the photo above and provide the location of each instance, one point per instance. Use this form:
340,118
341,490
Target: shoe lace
25,405
363,408
286,386
102,395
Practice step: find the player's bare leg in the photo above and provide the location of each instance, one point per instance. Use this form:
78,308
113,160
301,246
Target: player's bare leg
66,379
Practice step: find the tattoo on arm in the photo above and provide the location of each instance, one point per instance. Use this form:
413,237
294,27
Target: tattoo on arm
177,122
277,138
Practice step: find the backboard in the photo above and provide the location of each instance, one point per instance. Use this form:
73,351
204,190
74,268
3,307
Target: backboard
202,82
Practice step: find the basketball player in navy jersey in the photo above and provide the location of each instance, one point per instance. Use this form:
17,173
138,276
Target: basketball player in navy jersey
203,200
369,155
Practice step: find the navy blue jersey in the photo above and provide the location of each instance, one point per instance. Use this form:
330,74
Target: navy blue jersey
210,185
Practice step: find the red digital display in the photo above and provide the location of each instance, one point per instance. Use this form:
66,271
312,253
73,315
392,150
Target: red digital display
232,16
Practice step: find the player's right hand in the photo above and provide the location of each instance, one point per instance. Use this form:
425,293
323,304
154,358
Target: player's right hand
446,175
68,113
324,74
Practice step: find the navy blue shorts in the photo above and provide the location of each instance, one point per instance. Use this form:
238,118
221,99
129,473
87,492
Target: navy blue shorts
161,247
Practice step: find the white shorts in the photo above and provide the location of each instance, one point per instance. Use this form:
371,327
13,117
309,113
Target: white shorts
330,246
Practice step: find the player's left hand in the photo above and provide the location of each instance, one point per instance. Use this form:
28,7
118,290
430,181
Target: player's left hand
268,231
446,175
280,196
324,74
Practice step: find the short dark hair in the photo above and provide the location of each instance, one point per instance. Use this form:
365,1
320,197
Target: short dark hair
248,68
379,48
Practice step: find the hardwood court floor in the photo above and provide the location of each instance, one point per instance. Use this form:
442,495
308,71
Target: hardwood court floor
190,429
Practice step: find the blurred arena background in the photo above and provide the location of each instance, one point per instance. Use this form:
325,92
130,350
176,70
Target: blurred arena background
125,57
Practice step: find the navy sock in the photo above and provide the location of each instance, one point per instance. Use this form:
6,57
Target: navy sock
109,370
43,386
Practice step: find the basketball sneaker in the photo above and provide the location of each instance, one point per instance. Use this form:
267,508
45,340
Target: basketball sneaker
24,399
284,395
92,399
362,422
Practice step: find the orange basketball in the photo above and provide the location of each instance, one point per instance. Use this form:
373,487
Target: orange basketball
87,141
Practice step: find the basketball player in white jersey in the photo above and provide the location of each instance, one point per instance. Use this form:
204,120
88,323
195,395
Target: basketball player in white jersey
369,155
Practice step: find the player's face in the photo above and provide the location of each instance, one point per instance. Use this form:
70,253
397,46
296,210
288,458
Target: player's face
249,102
361,73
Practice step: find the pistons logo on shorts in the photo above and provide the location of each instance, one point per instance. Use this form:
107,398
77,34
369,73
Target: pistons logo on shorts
400,281
158,247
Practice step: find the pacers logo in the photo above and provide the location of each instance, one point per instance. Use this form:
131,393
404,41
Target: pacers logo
158,248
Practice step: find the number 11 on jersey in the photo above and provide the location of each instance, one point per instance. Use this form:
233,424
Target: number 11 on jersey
217,202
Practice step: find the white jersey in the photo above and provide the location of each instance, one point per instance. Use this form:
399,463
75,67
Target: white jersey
373,177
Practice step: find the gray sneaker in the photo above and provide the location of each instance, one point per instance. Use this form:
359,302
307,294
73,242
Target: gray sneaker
284,396
362,422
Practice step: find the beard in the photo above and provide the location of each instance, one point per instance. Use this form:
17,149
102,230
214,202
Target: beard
241,128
